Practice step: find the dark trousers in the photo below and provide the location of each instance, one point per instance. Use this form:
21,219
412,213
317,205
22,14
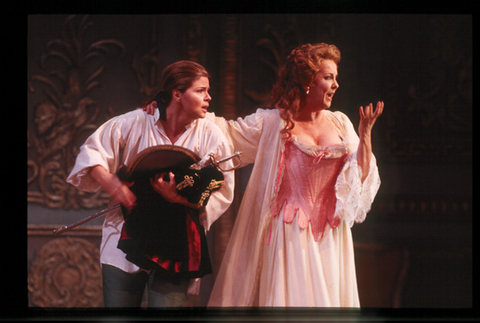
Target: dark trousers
122,289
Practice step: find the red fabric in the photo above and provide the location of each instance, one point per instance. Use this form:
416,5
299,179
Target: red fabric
165,263
194,249
123,234
194,245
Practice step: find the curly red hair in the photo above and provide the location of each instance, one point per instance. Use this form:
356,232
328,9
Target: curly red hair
295,75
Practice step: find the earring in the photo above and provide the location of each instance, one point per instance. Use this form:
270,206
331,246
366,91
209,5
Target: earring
308,90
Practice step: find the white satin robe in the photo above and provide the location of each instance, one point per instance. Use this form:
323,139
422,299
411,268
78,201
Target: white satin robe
323,272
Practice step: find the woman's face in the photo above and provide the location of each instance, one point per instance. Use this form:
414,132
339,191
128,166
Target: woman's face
195,100
324,86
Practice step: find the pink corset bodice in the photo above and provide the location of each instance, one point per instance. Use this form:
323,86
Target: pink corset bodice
306,188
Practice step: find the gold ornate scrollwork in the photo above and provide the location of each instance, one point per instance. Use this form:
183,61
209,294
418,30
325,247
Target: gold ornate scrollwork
63,113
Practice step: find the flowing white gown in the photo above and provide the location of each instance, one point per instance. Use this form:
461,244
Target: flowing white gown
309,257
285,250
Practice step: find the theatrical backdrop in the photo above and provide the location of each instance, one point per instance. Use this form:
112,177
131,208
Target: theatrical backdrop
415,248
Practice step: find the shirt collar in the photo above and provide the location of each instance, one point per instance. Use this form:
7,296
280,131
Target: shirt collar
157,115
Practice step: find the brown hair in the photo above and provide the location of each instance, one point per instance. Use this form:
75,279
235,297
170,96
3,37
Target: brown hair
298,72
178,76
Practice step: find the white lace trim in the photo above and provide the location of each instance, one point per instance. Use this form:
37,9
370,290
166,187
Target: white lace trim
354,198
327,152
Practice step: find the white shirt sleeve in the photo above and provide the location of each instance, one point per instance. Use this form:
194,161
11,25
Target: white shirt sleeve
101,148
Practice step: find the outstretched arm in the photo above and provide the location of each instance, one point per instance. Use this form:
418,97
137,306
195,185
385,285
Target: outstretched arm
367,120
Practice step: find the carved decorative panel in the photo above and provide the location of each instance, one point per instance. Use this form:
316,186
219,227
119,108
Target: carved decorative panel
64,111
66,273
274,44
429,89
148,66
193,39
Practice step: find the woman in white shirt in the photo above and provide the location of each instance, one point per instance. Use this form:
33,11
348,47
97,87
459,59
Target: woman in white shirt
181,122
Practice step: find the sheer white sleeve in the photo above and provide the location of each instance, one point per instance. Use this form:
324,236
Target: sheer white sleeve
220,200
354,198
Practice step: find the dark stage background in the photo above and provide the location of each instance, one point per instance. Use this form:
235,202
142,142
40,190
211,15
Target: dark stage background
415,248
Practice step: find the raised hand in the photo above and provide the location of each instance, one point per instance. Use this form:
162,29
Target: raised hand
368,118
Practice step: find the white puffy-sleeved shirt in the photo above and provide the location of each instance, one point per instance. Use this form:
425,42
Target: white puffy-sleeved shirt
269,262
119,140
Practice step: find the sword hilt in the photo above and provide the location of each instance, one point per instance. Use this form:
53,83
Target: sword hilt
224,159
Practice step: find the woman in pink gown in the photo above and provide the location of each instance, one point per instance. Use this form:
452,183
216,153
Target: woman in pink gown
313,178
